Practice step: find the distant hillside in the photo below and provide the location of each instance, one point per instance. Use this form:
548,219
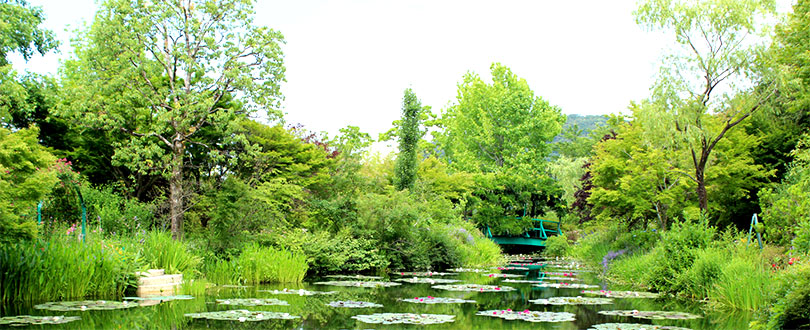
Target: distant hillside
585,122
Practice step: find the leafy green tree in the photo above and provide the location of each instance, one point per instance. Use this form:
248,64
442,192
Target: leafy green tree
497,125
157,71
20,31
633,182
786,207
714,56
409,136
24,179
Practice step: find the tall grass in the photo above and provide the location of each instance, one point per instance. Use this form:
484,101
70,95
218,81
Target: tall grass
222,271
266,264
743,285
63,268
162,252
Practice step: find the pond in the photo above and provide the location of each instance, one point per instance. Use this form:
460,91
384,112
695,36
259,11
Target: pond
510,298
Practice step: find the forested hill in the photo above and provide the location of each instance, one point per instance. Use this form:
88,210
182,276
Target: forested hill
585,122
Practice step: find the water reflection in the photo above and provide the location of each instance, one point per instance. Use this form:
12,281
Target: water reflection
315,314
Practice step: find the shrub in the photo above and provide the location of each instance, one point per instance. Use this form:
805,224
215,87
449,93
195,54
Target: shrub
556,246
330,253
789,301
116,214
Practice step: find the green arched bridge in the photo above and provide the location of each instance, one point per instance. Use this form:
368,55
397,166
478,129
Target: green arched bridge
535,237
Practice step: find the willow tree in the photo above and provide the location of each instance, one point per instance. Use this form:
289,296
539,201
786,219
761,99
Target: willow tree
160,70
705,75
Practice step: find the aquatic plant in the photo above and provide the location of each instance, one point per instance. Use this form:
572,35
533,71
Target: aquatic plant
426,280
161,298
84,305
435,300
425,274
564,285
360,284
473,287
622,294
300,292
633,326
24,320
260,264
404,318
652,315
529,316
356,277
242,315
354,304
504,275
509,280
467,270
253,302
572,301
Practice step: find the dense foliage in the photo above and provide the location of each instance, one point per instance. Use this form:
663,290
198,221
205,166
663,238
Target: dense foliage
152,119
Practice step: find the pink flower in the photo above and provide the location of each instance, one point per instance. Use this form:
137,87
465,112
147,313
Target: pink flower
508,309
526,311
497,288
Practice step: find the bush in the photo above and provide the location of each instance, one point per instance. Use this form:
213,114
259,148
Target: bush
116,214
743,284
556,246
330,253
789,301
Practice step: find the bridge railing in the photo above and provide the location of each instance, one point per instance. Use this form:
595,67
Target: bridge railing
539,230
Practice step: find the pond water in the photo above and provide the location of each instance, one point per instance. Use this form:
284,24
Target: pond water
315,313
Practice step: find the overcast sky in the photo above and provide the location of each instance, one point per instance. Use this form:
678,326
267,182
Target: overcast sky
348,62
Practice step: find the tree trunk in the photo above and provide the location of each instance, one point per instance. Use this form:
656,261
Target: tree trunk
176,189
703,202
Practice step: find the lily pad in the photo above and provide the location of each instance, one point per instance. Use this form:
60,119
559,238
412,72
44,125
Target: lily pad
512,268
558,278
633,326
652,315
85,305
354,304
564,285
23,320
356,277
572,301
504,275
253,302
468,270
436,300
426,280
242,315
566,274
359,284
231,286
161,298
623,294
473,287
300,292
425,274
509,280
529,316
404,318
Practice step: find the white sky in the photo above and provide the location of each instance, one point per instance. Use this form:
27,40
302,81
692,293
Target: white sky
348,62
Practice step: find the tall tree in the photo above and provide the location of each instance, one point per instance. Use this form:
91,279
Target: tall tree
20,30
497,125
716,53
409,135
157,70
